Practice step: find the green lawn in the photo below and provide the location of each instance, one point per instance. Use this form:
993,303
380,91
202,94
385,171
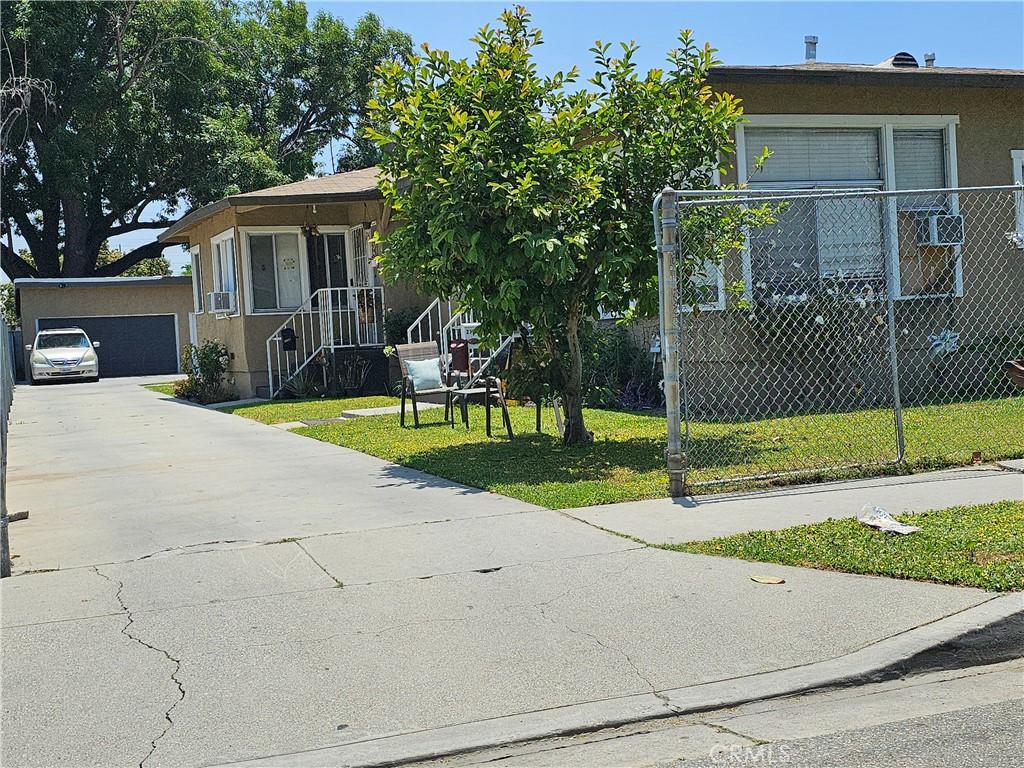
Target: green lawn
279,411
980,546
163,389
626,461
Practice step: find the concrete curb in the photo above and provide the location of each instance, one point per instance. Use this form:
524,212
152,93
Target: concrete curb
887,657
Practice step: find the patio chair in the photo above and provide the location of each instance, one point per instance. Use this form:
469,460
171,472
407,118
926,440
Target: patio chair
426,350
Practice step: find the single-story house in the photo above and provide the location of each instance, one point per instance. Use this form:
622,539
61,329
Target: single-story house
281,273
142,323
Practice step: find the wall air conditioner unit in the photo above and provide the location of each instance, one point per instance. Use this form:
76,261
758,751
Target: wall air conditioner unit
940,229
221,302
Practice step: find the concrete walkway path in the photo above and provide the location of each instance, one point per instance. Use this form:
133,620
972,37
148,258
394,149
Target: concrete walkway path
673,521
196,588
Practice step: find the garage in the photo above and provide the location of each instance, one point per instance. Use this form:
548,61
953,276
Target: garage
131,345
141,323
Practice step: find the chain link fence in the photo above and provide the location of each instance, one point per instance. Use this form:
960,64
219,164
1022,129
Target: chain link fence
821,332
7,369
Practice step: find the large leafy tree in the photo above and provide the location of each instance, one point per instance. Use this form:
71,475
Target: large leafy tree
530,200
159,107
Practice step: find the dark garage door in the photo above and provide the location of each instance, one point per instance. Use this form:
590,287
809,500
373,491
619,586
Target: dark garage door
139,345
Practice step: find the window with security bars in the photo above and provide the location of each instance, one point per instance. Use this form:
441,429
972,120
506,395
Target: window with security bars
360,257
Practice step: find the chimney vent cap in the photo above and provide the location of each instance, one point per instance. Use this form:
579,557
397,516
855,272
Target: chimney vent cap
811,47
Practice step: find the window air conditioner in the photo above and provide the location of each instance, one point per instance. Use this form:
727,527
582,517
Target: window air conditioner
940,229
221,301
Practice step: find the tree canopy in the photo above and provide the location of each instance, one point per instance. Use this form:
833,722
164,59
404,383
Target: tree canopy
155,108
528,198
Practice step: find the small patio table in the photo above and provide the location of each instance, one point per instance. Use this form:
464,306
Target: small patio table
492,393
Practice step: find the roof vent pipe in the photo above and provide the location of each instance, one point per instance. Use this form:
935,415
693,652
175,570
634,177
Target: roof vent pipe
929,59
811,48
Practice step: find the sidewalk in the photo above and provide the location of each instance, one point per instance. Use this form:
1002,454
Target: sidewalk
673,521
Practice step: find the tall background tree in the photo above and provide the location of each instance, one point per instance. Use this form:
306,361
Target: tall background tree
530,201
160,107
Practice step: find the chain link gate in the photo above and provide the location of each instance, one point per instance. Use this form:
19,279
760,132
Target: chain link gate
820,332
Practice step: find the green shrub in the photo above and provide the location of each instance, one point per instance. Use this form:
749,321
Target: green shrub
397,322
617,372
204,368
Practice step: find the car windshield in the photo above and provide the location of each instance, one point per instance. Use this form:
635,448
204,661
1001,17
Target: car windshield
56,340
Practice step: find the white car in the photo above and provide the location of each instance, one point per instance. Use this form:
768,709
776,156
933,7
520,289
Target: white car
63,353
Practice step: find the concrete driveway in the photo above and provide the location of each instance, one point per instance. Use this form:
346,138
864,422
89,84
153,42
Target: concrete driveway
196,588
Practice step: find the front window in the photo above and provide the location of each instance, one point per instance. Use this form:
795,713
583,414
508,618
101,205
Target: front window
845,238
815,157
197,280
62,341
223,249
840,237
276,271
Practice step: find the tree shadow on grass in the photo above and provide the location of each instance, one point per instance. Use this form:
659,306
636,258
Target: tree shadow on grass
537,459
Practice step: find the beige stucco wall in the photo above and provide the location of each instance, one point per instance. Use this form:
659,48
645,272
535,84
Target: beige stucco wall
991,119
60,299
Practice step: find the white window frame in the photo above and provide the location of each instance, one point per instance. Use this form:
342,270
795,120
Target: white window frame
198,297
1017,160
713,274
885,124
218,277
244,233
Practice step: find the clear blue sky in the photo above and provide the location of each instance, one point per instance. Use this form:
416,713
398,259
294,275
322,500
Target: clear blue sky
967,34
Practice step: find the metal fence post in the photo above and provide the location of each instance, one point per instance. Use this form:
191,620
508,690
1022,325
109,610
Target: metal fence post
670,341
890,319
6,395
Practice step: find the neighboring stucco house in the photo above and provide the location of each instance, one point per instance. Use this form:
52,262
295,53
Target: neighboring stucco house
279,271
890,126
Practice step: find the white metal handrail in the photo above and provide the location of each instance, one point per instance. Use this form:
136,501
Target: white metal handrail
438,310
331,318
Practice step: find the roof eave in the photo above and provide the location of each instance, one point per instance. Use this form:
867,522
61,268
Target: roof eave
175,233
866,76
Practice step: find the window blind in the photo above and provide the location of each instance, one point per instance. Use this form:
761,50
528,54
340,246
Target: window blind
814,154
919,159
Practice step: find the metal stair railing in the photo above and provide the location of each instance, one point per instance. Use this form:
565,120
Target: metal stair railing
306,325
331,318
427,327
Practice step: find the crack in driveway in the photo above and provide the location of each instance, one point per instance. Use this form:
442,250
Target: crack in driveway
126,611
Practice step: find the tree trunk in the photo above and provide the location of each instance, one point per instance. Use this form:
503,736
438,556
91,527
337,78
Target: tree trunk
576,432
